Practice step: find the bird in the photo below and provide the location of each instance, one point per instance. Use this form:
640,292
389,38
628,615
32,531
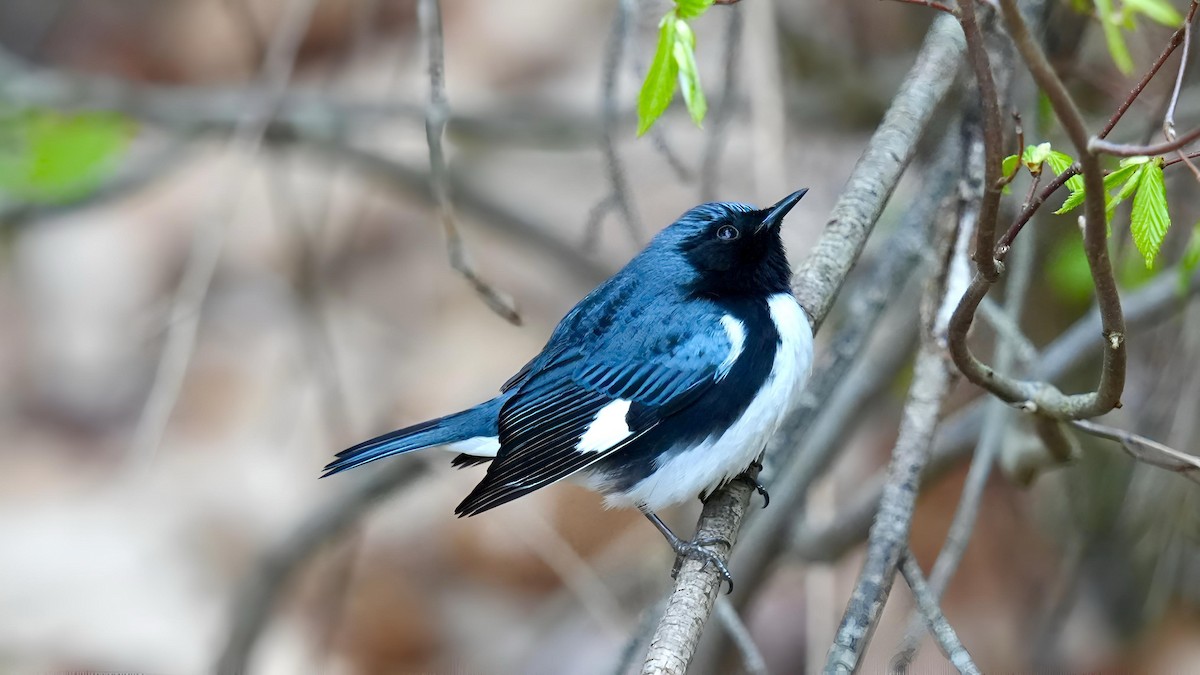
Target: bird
662,385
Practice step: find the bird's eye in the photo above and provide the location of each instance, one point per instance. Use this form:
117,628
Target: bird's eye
727,233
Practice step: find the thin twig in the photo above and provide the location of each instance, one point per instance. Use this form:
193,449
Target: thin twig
889,534
842,384
614,54
1031,207
752,659
1172,44
932,378
939,627
993,143
816,284
1146,450
209,237
1169,115
1042,396
437,111
1133,150
639,638
932,5
1155,302
1010,343
714,142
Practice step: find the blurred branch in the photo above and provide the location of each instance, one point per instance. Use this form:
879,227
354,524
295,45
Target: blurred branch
843,383
1146,450
1146,307
429,14
410,181
278,64
932,378
714,140
619,196
939,627
196,109
816,284
752,659
260,591
1008,346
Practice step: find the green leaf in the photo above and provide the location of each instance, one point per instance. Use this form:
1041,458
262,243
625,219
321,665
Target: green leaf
1009,166
659,87
1150,220
1061,162
1191,257
1129,178
1160,11
1112,35
690,9
1072,202
1126,176
1035,156
50,157
689,75
1068,273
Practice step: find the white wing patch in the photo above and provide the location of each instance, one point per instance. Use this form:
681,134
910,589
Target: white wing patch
607,429
736,331
719,458
480,446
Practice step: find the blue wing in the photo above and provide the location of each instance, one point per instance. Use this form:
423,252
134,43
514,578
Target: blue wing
650,368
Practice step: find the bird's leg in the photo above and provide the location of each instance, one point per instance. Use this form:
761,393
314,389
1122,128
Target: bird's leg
754,483
697,549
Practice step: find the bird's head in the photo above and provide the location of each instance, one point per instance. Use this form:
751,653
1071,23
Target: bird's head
732,248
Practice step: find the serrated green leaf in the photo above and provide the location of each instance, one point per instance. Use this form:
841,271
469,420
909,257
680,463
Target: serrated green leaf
1150,219
50,157
1061,162
1072,202
659,87
1134,161
1111,24
690,9
1159,11
689,76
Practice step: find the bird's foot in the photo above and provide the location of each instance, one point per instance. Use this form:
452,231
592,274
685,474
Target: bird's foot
700,550
754,483
697,549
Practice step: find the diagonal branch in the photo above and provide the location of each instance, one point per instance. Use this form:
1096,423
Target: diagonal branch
939,627
816,285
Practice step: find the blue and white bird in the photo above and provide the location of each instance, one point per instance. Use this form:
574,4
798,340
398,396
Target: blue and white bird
664,383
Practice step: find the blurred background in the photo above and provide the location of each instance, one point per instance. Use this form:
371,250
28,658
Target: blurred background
210,305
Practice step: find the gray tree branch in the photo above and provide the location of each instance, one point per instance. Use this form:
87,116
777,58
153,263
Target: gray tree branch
816,285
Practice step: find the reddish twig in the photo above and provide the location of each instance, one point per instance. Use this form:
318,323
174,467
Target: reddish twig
932,5
993,142
1097,145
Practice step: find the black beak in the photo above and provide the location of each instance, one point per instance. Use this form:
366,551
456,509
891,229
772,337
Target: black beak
776,213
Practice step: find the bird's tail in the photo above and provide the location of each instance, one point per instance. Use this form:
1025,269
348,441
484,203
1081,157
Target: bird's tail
476,423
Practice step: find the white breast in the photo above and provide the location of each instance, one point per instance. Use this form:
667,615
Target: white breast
719,458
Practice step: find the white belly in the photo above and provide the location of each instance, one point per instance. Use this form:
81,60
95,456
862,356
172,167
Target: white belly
718,459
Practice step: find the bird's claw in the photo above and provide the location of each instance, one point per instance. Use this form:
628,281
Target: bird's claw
754,483
699,550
